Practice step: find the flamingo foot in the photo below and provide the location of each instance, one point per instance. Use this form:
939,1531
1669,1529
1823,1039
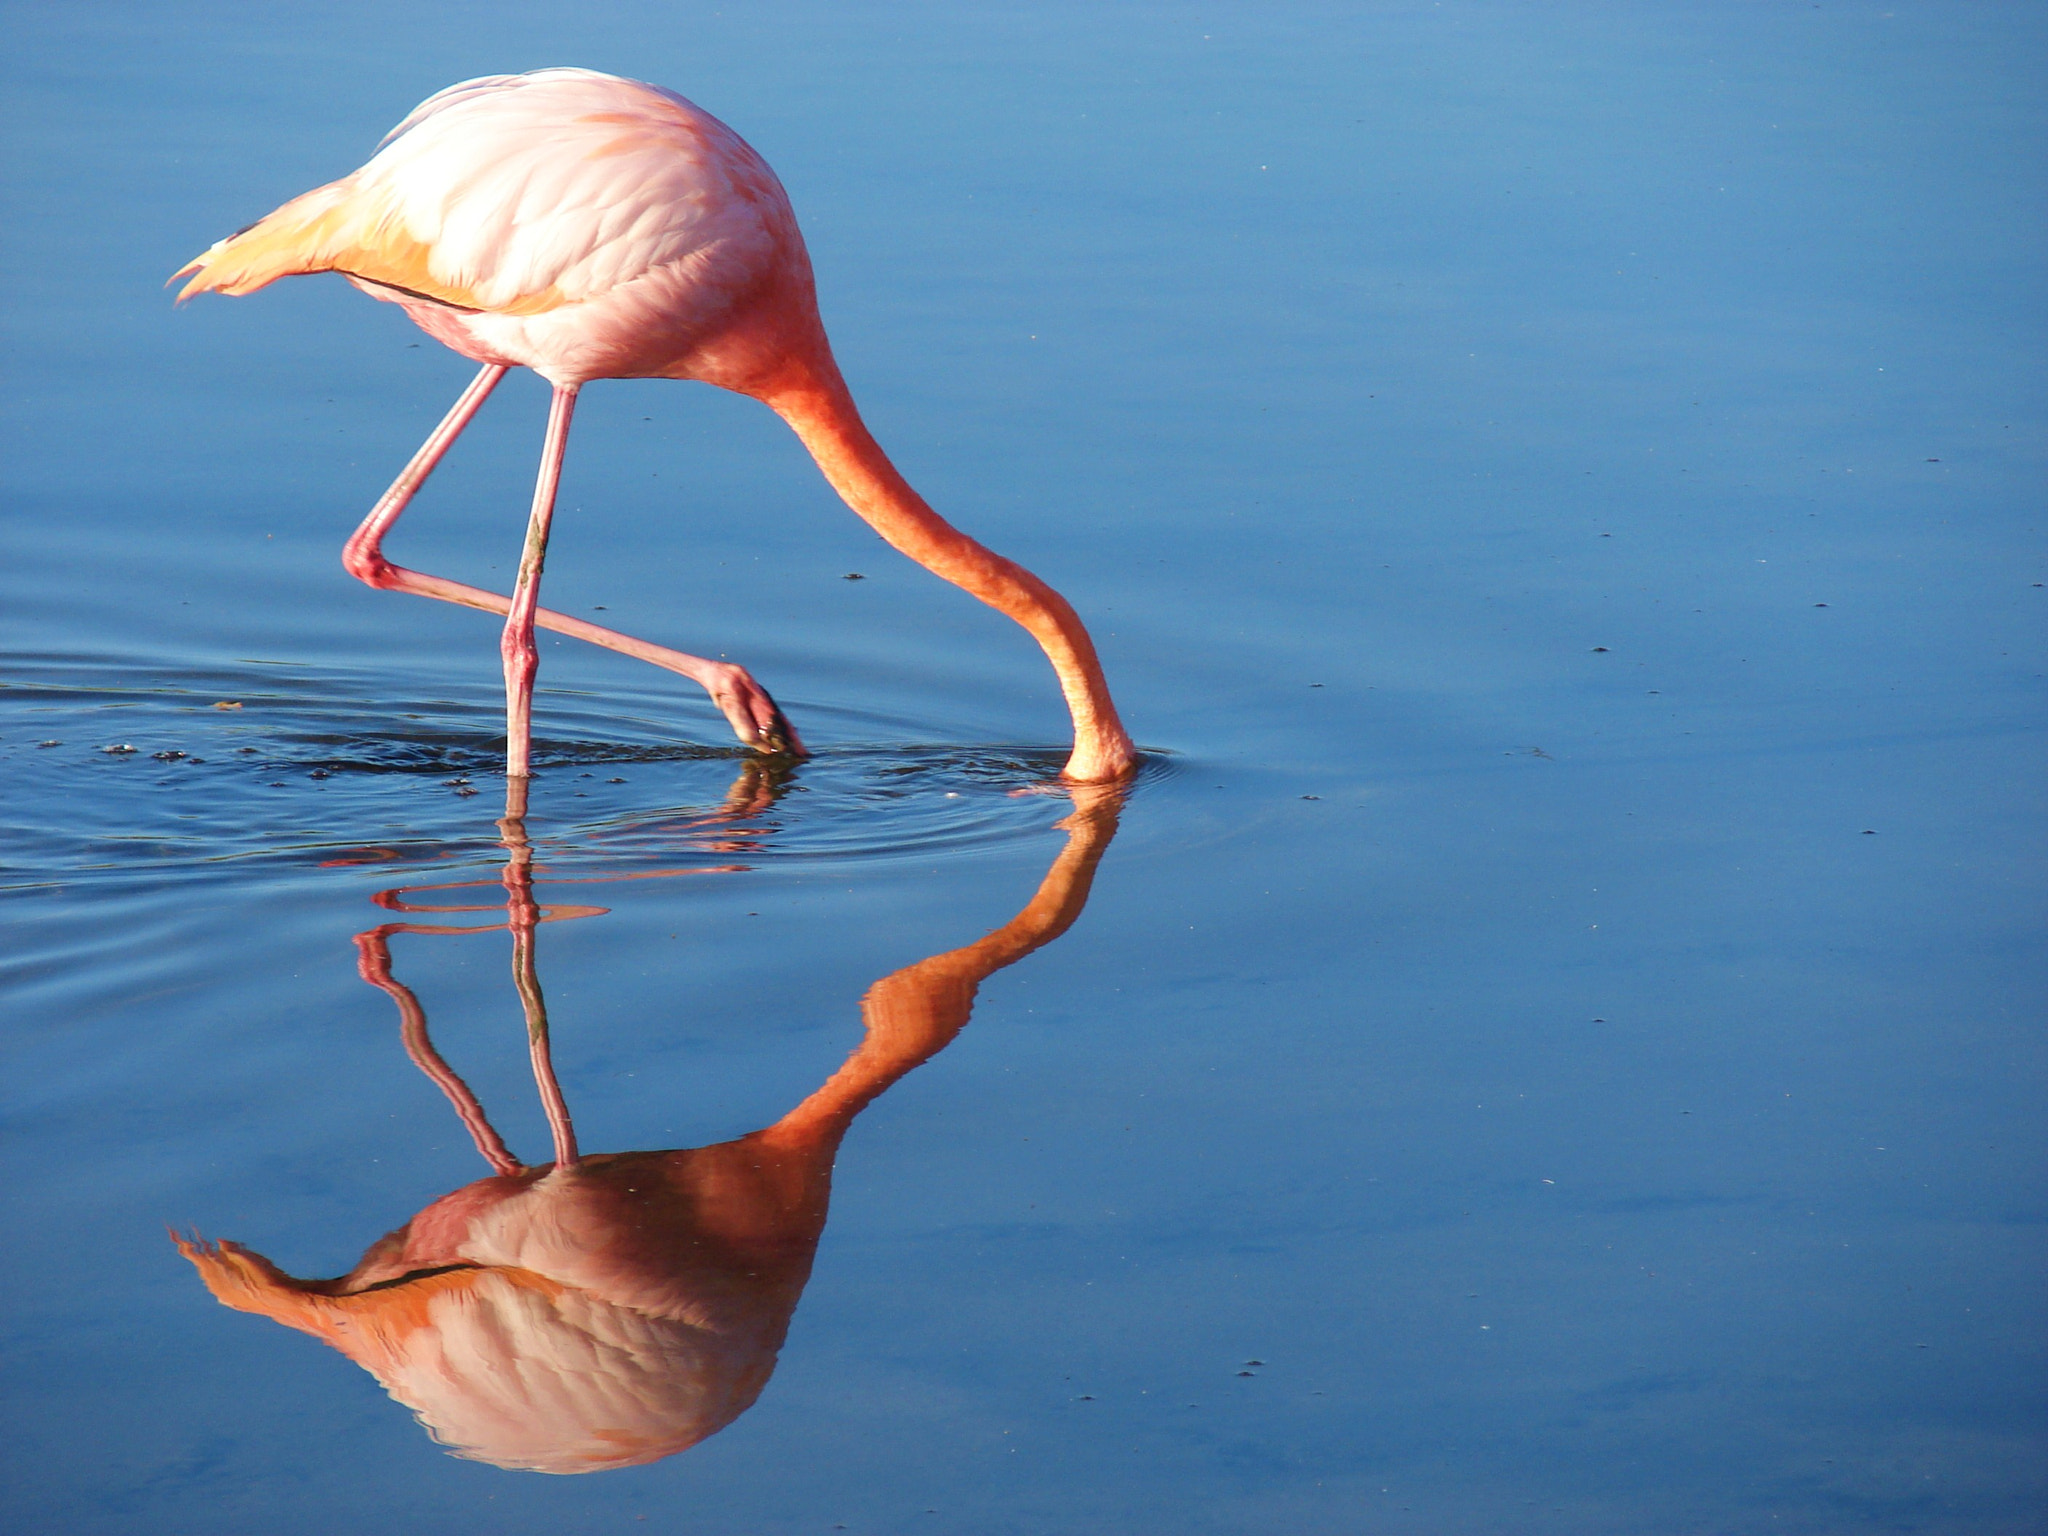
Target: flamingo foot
754,715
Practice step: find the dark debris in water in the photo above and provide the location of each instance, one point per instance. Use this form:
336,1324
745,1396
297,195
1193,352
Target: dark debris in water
374,759
419,752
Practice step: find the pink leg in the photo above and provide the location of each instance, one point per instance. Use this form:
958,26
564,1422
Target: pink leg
523,917
745,703
522,659
551,1098
374,965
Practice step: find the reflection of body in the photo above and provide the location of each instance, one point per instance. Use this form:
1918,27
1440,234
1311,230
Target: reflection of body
609,1310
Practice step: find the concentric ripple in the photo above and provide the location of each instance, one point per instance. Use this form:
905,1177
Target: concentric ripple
212,770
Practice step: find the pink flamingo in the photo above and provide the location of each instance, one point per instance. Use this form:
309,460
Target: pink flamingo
609,1309
589,227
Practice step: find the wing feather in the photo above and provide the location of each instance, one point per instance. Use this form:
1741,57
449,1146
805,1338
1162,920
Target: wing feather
517,194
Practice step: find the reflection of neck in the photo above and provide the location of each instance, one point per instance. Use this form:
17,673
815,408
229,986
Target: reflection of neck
915,1013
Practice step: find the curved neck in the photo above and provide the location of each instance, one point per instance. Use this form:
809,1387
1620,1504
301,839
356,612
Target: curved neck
913,1014
814,400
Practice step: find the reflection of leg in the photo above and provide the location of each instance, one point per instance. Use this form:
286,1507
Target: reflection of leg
537,1044
374,965
759,785
523,917
744,703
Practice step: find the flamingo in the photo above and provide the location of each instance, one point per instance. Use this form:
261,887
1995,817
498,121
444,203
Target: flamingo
610,1309
591,227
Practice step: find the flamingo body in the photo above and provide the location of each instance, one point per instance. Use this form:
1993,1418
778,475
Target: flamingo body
590,227
569,222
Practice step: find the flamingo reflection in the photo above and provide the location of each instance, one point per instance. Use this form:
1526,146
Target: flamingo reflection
608,1310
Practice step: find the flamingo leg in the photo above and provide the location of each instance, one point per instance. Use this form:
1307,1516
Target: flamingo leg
753,714
522,657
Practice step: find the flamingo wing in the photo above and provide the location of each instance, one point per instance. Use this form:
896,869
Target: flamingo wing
517,195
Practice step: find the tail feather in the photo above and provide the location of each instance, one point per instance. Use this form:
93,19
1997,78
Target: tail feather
343,228
311,233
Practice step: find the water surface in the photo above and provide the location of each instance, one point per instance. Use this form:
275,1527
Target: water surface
1546,1045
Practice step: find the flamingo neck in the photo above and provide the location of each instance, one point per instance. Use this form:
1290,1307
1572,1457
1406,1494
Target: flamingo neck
814,400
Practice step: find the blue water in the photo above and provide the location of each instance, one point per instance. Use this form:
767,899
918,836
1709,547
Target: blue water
1557,491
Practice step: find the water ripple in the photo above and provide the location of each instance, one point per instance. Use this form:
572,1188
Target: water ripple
114,771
